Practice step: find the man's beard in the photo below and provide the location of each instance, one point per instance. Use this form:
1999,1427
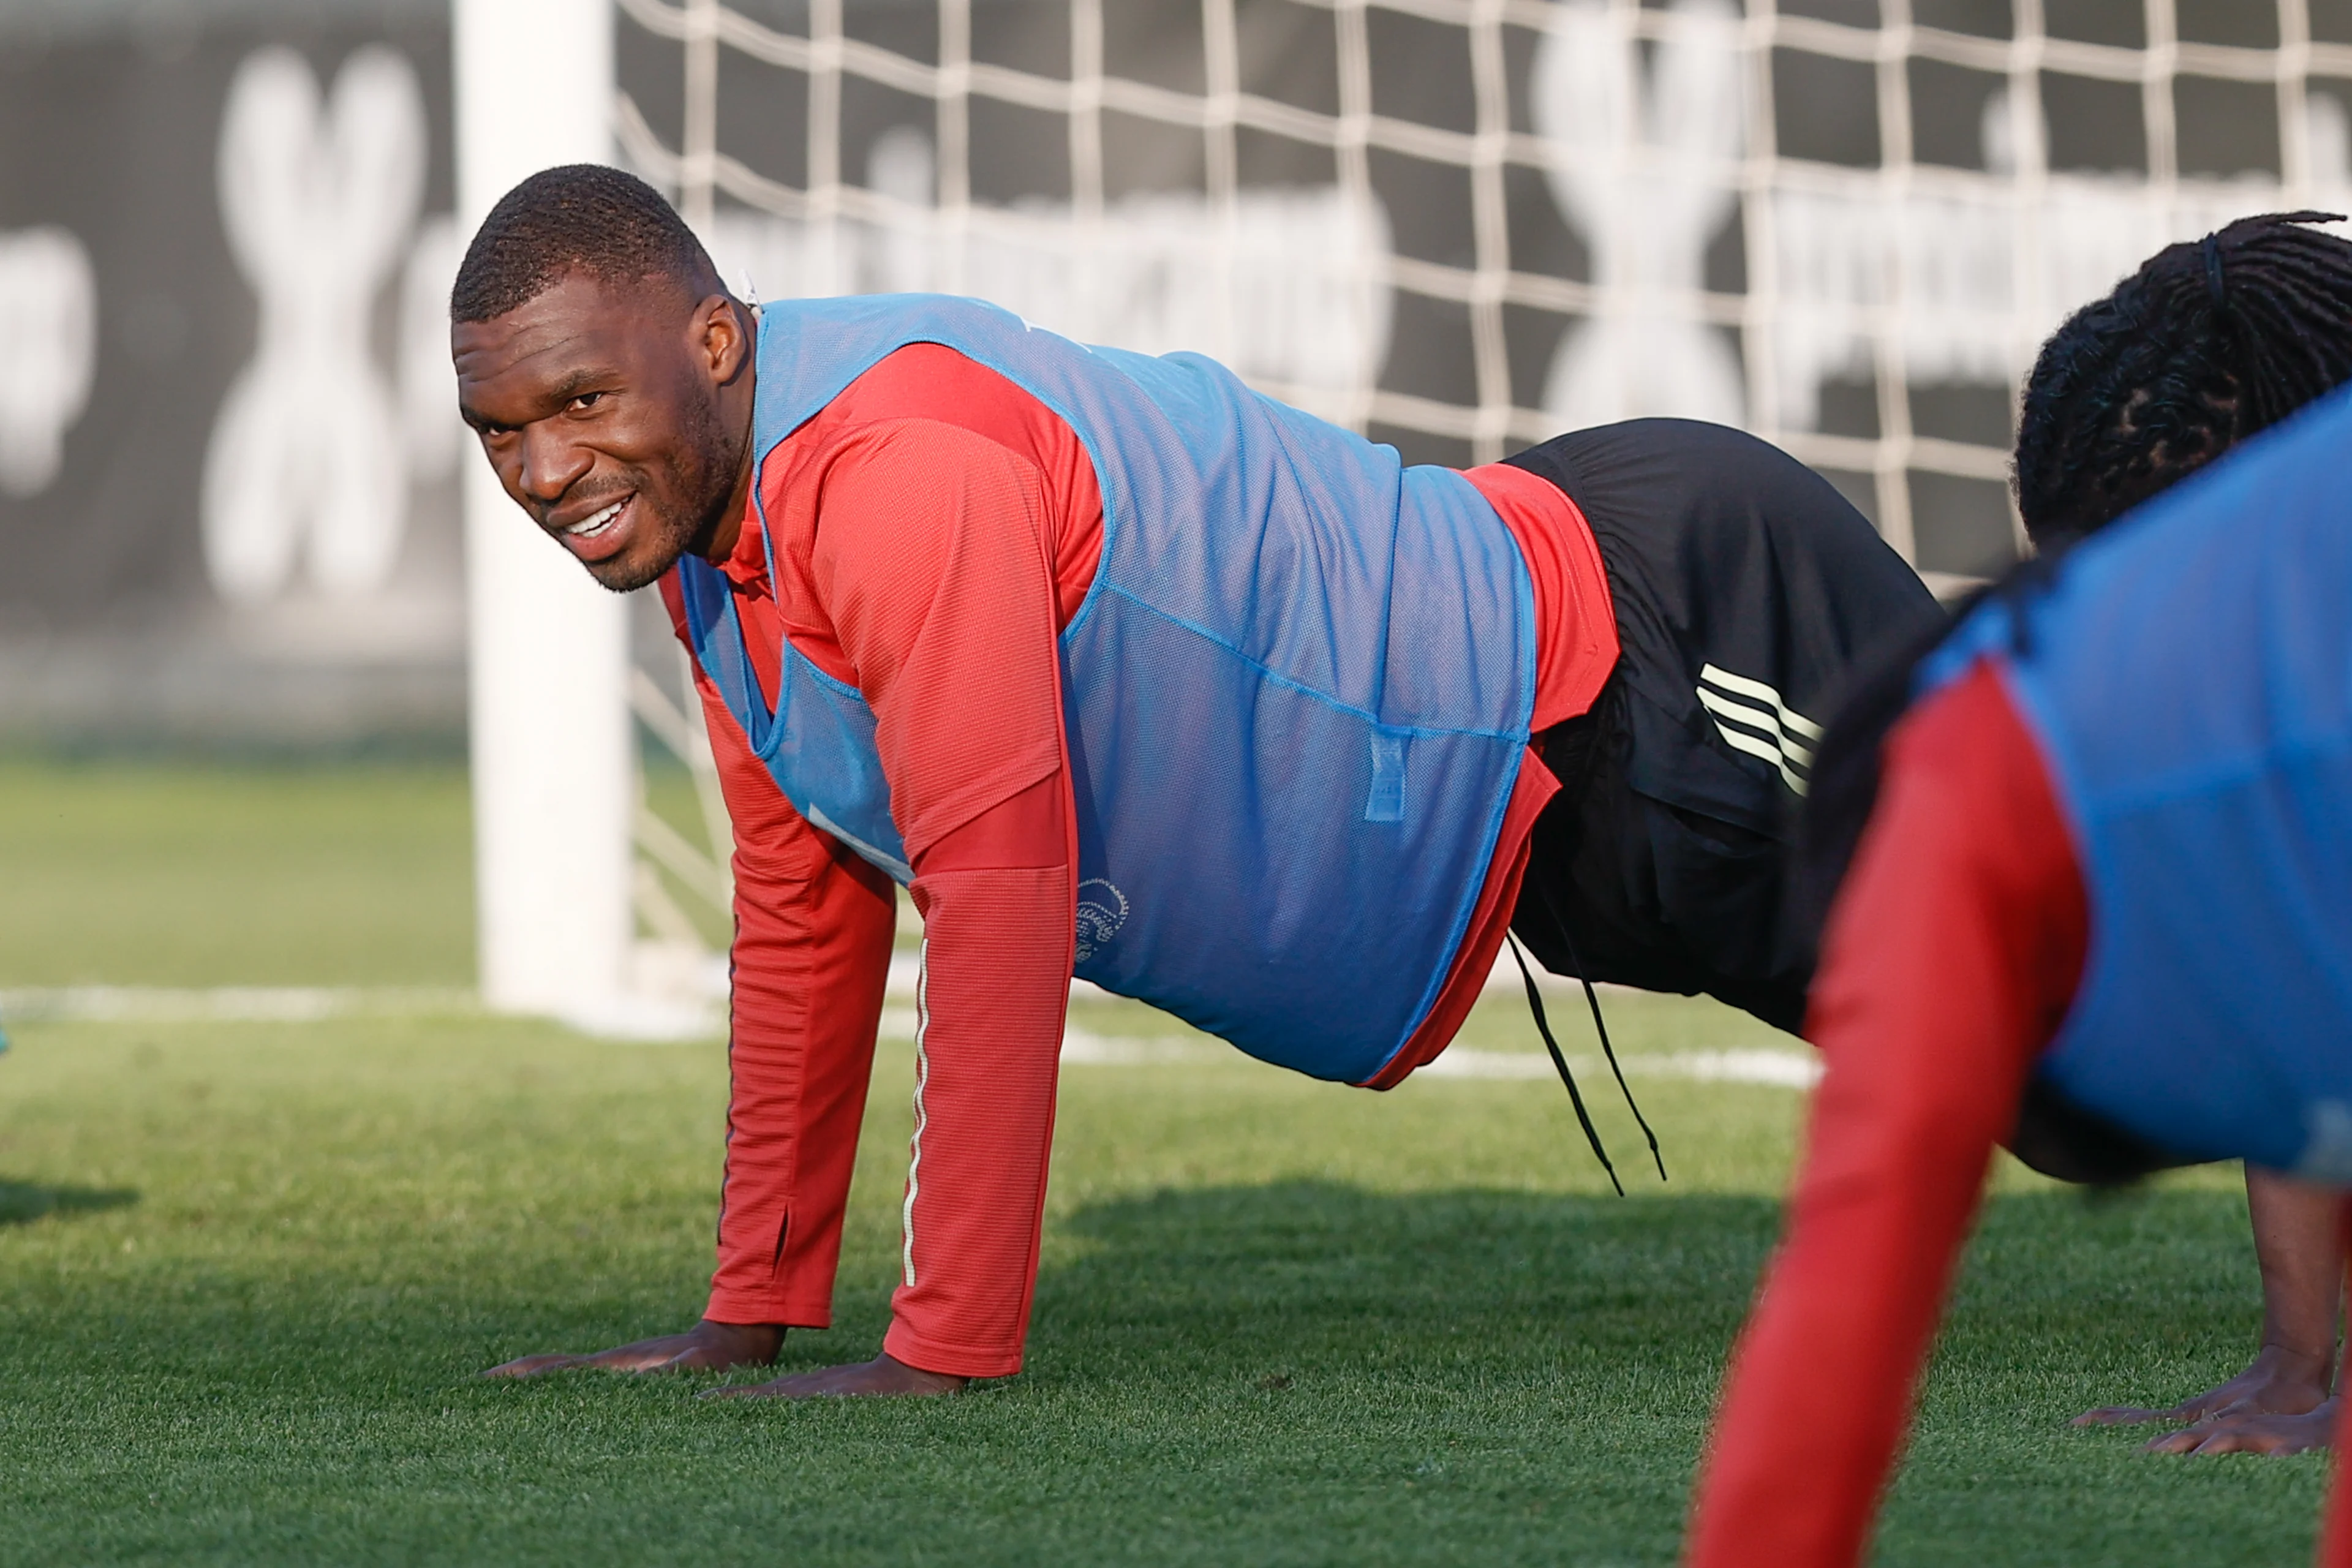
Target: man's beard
702,473
665,535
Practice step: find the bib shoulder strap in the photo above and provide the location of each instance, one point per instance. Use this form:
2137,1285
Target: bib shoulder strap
717,635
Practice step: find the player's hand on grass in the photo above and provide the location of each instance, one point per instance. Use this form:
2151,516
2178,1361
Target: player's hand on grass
885,1376
2253,1434
706,1347
2282,1382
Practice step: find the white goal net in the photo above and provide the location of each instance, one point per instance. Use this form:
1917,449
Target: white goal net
1465,226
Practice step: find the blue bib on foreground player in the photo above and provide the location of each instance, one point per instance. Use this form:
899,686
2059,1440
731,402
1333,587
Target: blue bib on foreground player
2189,680
1296,695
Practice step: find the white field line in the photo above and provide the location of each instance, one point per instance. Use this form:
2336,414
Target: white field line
314,1004
1503,977
294,1004
1084,1047
227,1004
307,1004
1778,1069
645,1019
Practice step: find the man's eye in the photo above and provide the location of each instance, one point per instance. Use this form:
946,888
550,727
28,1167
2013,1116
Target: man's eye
588,399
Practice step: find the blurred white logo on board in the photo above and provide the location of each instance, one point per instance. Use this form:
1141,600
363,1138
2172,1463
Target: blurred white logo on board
1638,163
307,455
48,348
1951,279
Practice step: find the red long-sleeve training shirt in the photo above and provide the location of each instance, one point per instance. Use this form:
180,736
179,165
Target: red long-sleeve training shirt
935,527
1950,959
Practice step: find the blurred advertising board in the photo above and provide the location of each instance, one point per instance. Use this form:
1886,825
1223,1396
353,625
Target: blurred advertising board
227,439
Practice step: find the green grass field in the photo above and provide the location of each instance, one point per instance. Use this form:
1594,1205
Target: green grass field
249,1271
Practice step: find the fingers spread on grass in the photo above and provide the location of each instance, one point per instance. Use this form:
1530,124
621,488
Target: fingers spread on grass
2251,1433
533,1365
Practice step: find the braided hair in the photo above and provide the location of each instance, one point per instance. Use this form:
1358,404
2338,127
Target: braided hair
2210,341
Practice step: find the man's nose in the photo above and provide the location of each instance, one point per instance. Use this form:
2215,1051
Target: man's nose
550,465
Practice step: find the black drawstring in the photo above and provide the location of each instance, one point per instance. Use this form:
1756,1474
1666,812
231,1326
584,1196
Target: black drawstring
1593,1000
1586,743
1600,1027
1543,1027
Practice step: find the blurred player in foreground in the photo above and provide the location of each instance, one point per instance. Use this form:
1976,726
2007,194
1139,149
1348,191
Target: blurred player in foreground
2102,906
1125,668
2210,342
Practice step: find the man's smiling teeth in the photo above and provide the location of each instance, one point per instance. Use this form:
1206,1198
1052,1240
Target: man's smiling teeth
597,521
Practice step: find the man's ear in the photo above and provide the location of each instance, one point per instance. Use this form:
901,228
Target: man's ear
723,331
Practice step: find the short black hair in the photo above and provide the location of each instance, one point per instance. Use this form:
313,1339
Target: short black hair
583,218
2210,341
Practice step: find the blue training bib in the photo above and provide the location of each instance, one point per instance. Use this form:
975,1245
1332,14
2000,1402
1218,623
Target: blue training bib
2189,677
1296,696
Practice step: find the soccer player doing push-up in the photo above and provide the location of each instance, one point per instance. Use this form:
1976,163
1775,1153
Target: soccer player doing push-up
2102,906
2208,344
1126,670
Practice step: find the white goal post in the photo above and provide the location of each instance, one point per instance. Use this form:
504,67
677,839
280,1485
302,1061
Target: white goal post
548,650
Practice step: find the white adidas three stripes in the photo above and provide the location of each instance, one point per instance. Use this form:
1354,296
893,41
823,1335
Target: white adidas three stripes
1751,718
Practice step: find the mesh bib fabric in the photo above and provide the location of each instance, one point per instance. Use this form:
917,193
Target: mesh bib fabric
1296,695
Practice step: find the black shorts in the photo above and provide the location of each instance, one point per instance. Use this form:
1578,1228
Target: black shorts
1745,590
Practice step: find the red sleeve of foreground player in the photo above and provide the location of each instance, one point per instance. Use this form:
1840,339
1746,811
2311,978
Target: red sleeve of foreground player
812,932
996,897
934,562
1950,957
933,528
